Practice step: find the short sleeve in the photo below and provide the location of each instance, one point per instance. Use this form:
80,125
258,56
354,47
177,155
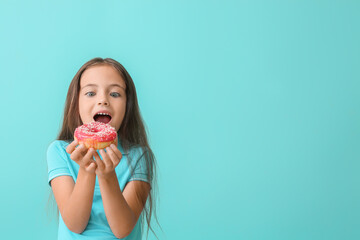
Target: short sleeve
141,169
57,161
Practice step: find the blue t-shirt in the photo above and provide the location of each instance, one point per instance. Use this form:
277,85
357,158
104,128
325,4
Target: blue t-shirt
60,164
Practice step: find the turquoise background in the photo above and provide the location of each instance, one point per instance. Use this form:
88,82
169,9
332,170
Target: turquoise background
252,109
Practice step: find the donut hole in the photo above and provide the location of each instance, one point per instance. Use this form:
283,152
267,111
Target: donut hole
102,118
94,130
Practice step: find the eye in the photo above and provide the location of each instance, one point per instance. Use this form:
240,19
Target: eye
115,94
90,94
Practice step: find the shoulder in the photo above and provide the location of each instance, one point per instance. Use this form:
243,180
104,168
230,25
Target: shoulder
57,147
58,144
137,152
58,160
141,159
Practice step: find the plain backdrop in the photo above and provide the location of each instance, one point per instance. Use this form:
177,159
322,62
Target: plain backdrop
252,110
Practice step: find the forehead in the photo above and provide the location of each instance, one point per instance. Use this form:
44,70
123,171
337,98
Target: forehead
101,75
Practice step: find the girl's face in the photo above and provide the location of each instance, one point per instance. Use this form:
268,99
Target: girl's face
102,90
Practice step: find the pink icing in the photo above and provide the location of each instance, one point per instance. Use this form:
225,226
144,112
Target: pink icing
99,131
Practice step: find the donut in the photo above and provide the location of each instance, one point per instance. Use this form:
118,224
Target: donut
95,135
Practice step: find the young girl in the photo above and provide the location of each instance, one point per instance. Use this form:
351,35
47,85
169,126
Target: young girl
102,194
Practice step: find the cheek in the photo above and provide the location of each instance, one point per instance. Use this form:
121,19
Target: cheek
121,115
123,112
122,109
83,108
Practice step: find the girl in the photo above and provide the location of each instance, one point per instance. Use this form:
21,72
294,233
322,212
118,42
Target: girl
102,194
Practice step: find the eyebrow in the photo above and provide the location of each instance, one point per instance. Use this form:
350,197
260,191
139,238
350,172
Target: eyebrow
95,85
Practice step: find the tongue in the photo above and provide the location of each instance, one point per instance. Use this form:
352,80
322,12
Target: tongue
102,118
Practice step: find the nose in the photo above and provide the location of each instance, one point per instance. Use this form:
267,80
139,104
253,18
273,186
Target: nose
103,103
103,100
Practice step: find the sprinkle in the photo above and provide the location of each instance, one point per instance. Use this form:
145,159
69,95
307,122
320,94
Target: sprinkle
99,131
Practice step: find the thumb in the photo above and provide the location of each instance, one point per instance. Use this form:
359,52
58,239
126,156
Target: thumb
91,167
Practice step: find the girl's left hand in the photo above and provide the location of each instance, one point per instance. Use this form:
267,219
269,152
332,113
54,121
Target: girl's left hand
111,159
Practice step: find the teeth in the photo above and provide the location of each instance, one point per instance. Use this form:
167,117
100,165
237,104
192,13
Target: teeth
103,114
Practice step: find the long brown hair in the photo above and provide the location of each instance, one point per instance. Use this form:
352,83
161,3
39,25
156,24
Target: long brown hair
131,133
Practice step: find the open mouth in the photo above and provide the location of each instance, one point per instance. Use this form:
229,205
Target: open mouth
102,117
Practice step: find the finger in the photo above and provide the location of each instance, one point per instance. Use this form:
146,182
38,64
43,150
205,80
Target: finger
91,167
98,160
78,153
106,159
113,157
116,151
72,146
88,156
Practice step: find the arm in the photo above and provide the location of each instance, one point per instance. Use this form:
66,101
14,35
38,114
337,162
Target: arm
75,199
122,210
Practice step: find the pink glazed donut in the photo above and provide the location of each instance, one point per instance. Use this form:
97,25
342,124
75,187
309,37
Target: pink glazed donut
95,135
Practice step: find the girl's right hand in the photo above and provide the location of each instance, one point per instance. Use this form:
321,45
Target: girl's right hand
82,156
